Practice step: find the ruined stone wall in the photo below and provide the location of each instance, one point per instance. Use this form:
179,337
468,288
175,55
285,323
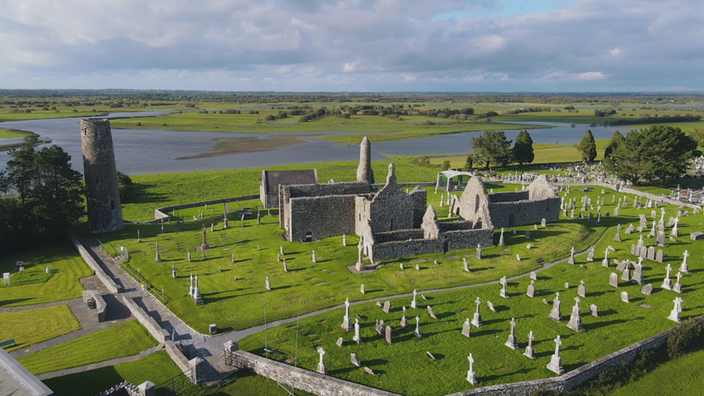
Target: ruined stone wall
419,196
511,214
389,210
286,193
510,196
453,240
321,216
400,235
455,225
100,174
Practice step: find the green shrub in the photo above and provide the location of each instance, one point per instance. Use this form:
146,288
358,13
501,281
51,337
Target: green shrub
683,338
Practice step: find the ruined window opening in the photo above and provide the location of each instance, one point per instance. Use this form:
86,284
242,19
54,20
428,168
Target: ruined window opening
476,204
446,246
478,224
360,217
309,236
112,204
511,221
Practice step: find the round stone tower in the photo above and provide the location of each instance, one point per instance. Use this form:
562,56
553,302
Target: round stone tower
364,170
102,192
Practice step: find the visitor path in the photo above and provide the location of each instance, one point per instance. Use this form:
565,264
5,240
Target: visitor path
192,342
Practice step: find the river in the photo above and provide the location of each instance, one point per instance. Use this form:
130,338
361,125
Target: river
148,151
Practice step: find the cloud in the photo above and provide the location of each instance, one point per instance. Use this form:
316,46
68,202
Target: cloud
376,45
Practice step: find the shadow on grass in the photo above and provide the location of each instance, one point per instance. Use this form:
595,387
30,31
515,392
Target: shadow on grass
142,193
594,326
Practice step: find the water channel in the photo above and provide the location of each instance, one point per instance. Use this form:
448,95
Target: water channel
147,151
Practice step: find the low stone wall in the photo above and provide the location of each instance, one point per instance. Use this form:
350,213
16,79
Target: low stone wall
193,368
105,278
578,377
147,321
304,380
162,213
101,306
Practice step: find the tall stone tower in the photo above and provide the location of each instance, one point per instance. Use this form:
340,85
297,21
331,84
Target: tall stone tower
103,195
364,171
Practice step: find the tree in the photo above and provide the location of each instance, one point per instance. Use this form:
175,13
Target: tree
657,152
446,165
523,148
125,185
616,139
469,164
493,147
587,147
42,196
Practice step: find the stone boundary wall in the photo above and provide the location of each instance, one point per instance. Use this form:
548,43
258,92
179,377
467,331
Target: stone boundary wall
105,278
162,213
305,380
404,185
147,321
177,356
101,306
575,378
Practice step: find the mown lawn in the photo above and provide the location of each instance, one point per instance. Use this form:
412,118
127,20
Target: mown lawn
618,325
126,339
35,286
36,325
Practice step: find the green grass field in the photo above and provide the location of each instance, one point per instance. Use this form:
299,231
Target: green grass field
122,340
158,368
618,325
34,286
36,325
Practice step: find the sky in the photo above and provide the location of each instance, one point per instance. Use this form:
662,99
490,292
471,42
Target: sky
354,45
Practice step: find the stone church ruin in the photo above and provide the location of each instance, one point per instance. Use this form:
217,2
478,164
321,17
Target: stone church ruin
392,223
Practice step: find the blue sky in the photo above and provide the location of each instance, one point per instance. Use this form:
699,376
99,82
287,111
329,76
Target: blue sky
354,45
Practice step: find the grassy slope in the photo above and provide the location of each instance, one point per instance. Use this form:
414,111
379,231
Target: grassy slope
157,368
123,340
36,325
618,325
682,376
34,286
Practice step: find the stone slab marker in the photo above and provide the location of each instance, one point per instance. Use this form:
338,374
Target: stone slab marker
416,333
431,312
555,312
471,376
675,313
571,259
387,306
467,328
414,303
624,297
531,289
613,279
267,284
647,289
356,338
576,318
677,288
594,310
340,342
388,335
581,289
355,360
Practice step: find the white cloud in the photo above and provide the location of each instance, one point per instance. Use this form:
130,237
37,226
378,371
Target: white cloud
360,44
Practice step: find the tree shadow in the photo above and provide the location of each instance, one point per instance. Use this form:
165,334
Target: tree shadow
594,326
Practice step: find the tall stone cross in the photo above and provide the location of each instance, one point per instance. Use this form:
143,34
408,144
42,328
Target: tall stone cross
347,307
321,352
471,362
205,239
678,304
478,301
558,342
530,339
513,326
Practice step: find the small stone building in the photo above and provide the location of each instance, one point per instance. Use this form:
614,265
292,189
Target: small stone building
509,209
271,180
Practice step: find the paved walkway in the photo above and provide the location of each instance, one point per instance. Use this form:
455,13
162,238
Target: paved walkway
106,363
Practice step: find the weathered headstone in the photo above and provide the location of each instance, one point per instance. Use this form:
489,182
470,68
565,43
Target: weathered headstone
660,240
659,256
613,279
491,306
416,333
340,342
626,276
361,288
571,259
555,312
531,289
471,376
388,336
466,328
647,289
533,276
555,364
387,306
529,349
478,253
677,288
321,365
477,319
675,313
624,297
355,360
414,304
431,312
594,310
684,267
638,273
575,322
667,284
356,338
511,342
651,253
590,256
581,289
501,238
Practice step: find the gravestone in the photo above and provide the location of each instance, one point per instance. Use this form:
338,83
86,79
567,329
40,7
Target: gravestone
414,304
387,306
555,312
695,236
491,306
617,237
624,297
340,341
379,327
660,240
533,276
478,253
647,289
571,259
356,338
431,312
651,253
594,310
518,257
531,289
543,222
355,360
675,313
616,209
613,279
575,322
267,284
684,267
471,376
466,265
477,319
527,234
416,333
529,349
677,288
590,256
388,335
555,364
581,289
638,273
466,328
511,341
501,238
605,261
667,284
504,285
361,288
321,365
659,256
